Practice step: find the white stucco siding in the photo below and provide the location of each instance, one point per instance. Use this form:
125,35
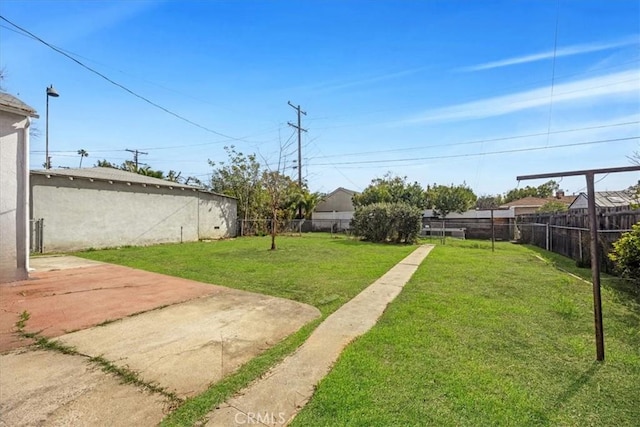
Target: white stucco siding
14,142
216,216
79,214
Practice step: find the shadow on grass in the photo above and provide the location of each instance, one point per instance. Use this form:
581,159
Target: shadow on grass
577,385
623,290
620,290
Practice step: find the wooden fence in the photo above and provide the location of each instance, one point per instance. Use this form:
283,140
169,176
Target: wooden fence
568,234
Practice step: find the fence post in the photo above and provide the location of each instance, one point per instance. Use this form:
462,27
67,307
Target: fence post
547,236
580,247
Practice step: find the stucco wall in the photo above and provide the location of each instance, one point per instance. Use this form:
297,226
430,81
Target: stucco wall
216,217
14,140
81,214
339,201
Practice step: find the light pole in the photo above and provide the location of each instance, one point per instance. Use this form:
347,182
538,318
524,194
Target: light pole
47,161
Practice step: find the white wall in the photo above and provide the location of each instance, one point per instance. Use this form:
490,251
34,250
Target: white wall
14,148
216,216
81,214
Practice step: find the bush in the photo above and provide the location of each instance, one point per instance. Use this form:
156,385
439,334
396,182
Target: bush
626,255
384,222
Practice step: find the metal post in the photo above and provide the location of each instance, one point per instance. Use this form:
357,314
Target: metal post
47,163
595,266
493,233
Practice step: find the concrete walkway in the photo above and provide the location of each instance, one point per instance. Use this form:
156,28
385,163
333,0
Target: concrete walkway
276,398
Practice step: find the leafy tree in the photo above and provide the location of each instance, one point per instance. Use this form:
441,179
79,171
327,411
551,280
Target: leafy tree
391,189
173,176
445,199
147,171
82,153
130,166
626,255
240,177
553,206
106,164
543,191
309,202
488,202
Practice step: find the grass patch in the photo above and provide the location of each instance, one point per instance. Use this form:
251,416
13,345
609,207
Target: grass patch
481,338
313,268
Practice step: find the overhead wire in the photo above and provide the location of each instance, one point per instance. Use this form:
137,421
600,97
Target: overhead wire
479,141
452,156
121,86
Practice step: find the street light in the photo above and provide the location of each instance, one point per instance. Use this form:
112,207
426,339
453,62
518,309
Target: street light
47,161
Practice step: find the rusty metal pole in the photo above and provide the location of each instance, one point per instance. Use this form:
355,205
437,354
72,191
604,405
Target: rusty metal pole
593,231
493,233
595,266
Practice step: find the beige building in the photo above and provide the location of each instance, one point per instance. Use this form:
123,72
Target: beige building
106,207
15,119
334,212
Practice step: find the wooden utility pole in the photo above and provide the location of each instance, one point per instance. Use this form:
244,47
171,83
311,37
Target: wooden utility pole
593,231
300,130
135,156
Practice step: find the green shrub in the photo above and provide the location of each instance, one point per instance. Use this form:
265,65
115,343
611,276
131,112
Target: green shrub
626,255
384,222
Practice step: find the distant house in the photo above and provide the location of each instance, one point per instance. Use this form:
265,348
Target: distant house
529,205
336,210
105,207
15,119
606,201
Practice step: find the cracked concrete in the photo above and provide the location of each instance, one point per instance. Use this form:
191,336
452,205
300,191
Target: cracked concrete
188,346
202,333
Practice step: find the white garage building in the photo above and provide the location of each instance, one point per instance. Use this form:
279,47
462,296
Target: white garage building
105,207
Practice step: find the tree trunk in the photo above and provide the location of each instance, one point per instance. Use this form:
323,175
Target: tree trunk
274,231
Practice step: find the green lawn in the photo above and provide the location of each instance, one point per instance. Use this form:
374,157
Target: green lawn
480,338
315,269
476,338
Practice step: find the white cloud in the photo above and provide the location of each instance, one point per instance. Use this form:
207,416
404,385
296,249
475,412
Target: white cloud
621,86
564,51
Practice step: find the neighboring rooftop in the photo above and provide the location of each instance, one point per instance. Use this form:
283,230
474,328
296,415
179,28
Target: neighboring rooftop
536,202
607,199
13,105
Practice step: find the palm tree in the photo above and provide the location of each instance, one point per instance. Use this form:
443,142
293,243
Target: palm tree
83,153
309,203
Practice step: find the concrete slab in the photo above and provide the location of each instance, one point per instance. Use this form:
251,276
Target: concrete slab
68,295
59,262
277,397
188,346
48,388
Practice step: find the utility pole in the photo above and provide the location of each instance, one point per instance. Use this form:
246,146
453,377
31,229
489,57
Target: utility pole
135,156
300,130
593,232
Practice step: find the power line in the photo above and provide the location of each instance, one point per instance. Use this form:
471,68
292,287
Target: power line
136,153
148,101
480,141
553,69
452,156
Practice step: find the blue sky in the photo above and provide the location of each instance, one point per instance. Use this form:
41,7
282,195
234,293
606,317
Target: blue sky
438,91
